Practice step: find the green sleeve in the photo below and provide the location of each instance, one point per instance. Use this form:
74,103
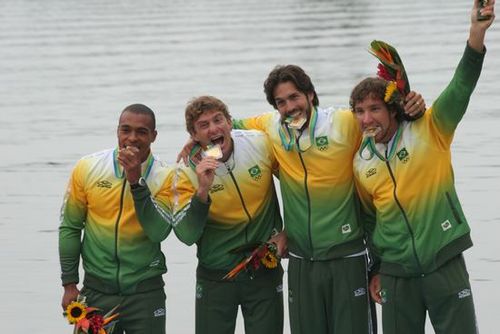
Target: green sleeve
72,220
367,217
449,108
193,219
153,213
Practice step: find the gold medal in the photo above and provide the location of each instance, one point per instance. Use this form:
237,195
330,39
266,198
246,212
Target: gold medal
371,132
213,151
295,123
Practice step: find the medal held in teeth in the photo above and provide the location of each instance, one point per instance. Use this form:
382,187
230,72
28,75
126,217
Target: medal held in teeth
213,151
371,132
295,123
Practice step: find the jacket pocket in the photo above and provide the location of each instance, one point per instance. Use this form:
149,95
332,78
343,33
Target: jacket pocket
453,208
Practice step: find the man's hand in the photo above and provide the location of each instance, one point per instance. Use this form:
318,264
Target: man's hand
184,153
71,292
281,242
130,160
205,171
414,105
375,288
478,27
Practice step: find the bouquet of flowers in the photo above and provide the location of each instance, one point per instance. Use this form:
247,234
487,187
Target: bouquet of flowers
89,320
263,254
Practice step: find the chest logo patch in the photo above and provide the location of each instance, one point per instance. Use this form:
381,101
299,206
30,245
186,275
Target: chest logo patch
322,143
104,184
255,172
215,188
346,228
446,225
371,172
403,155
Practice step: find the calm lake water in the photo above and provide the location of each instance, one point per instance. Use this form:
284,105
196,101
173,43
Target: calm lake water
67,68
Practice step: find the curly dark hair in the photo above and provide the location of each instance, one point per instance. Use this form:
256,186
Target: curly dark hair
375,88
288,73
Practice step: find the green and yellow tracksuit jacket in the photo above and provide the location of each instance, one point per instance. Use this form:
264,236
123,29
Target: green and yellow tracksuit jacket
120,253
316,180
243,206
411,195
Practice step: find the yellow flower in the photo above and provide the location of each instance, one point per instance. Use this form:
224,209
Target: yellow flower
389,90
75,312
269,260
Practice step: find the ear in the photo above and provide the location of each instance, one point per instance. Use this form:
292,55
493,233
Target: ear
154,134
194,136
310,97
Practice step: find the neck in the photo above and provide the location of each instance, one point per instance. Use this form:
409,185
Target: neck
225,156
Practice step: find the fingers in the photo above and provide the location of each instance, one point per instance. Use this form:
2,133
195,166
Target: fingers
207,164
184,153
128,156
375,289
414,105
280,240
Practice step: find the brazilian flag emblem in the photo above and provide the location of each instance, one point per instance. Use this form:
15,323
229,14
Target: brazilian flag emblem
403,155
255,172
322,142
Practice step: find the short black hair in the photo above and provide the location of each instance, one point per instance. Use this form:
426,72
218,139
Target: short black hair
142,109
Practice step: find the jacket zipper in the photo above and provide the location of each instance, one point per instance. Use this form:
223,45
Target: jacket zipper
308,197
242,203
405,217
453,209
116,236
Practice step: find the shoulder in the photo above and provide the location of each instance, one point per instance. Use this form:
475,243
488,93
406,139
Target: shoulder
95,158
250,138
339,122
248,134
100,155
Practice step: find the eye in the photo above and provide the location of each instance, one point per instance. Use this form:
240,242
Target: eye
280,103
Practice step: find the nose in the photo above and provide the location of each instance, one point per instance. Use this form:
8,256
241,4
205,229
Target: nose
367,118
132,137
289,106
212,127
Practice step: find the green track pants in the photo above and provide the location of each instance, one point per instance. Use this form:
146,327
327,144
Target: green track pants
445,294
140,313
329,297
260,299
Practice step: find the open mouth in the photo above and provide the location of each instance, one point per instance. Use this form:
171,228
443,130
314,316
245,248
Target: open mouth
217,140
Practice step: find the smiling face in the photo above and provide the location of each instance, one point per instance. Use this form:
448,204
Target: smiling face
291,102
372,115
212,128
136,130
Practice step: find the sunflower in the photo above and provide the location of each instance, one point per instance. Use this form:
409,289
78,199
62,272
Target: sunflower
75,312
389,90
269,260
